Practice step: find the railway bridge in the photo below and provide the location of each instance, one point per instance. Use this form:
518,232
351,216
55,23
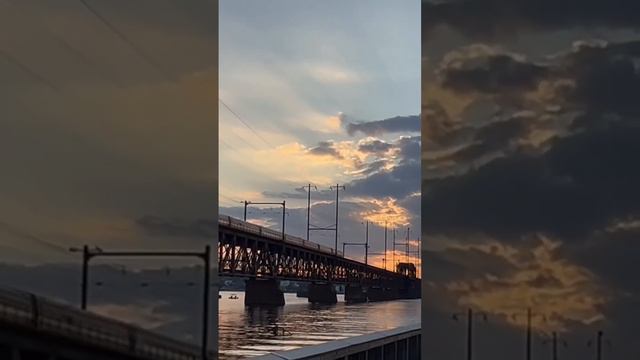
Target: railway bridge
266,256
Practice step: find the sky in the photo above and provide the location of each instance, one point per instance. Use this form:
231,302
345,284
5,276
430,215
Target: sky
529,182
324,93
108,138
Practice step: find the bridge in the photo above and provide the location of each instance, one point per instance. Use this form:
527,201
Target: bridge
35,328
266,256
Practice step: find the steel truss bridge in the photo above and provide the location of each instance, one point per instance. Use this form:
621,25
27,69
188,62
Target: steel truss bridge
249,250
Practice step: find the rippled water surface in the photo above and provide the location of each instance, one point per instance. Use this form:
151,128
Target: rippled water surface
248,332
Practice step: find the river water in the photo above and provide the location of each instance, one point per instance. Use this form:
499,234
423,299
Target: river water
245,332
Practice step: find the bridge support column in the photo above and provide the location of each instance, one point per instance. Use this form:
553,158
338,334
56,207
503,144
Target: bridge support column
263,292
410,289
322,293
354,293
385,291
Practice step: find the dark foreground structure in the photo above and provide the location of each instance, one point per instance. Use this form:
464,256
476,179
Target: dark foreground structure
34,328
396,344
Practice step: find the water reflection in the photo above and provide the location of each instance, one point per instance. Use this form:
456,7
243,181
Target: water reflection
246,332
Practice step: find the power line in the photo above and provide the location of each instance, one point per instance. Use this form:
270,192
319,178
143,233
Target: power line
245,123
124,38
24,235
28,70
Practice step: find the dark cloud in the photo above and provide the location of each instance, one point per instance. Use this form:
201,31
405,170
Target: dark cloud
501,18
375,146
578,186
326,148
391,125
485,69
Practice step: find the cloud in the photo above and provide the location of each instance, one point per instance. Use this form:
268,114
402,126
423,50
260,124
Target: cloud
502,280
494,19
379,127
373,145
325,148
487,69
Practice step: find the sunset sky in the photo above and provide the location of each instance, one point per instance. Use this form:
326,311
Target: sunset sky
108,138
322,93
530,181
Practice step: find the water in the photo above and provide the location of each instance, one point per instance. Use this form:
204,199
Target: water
247,332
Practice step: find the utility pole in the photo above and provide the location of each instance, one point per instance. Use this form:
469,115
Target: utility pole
393,254
554,345
529,334
528,345
309,207
469,332
469,316
366,246
85,277
384,259
599,345
337,187
407,246
284,212
246,203
205,256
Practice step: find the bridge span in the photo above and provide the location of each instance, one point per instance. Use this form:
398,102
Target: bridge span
266,256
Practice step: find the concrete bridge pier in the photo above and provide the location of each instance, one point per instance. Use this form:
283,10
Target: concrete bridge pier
263,292
322,293
384,291
354,293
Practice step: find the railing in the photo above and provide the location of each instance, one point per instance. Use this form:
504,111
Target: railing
273,234
30,311
396,344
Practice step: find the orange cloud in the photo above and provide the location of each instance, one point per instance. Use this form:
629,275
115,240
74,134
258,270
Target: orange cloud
561,291
386,211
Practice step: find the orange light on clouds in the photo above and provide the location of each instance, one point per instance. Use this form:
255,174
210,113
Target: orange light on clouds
386,211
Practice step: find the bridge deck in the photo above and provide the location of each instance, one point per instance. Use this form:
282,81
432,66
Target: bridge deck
247,249
41,317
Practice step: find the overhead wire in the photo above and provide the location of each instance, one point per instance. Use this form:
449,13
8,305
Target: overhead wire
124,38
245,123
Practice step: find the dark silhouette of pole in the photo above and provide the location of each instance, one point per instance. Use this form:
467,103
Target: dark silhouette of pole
599,346
469,332
385,246
529,334
469,316
284,215
407,246
393,254
337,187
205,299
85,274
309,208
366,241
555,340
246,203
